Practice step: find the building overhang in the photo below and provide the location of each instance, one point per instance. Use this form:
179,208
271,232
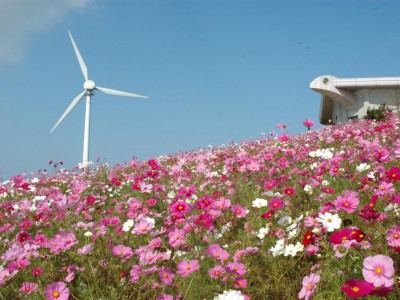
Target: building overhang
342,90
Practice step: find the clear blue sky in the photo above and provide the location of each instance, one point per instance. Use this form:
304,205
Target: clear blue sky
215,71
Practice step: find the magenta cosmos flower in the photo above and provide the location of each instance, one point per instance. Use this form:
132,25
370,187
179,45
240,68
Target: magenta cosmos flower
378,270
309,283
186,268
357,289
56,291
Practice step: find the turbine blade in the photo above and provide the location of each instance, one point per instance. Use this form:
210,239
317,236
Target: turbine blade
119,93
68,110
80,59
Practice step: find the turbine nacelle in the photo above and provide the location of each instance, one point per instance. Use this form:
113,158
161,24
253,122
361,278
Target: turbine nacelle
89,85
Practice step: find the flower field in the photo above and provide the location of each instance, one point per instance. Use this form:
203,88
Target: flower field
311,216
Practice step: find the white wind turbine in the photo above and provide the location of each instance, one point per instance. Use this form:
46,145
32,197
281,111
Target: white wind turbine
89,87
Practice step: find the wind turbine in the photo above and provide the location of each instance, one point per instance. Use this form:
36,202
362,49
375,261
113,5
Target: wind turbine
89,87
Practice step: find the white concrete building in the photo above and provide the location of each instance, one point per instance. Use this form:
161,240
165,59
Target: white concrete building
345,99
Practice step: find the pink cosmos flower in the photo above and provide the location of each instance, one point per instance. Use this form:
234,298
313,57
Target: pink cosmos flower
239,211
348,202
135,273
309,284
284,138
166,276
186,268
177,237
236,268
222,204
216,272
217,252
122,251
240,283
393,236
378,270
308,123
19,264
56,291
275,203
28,287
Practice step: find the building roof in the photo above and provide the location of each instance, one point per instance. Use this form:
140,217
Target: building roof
343,90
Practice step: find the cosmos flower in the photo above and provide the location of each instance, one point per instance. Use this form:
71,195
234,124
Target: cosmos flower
378,270
329,221
309,284
186,268
357,288
56,291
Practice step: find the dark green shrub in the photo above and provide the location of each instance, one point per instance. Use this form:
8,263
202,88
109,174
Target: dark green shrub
379,113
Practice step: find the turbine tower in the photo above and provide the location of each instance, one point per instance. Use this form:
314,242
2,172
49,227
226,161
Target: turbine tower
89,87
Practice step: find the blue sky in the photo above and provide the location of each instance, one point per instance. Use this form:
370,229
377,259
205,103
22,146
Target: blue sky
215,71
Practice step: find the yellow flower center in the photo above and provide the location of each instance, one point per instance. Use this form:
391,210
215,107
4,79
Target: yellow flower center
56,294
355,289
378,270
309,286
329,220
346,204
188,267
396,235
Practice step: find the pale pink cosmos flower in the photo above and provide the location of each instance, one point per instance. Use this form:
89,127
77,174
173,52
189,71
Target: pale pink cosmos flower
393,236
177,237
309,284
56,291
28,288
186,268
143,227
165,297
378,270
348,202
85,250
385,188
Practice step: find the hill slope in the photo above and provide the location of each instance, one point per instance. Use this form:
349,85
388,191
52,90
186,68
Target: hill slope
314,215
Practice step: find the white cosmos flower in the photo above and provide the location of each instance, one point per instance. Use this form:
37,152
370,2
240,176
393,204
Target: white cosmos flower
127,225
290,250
230,295
259,202
262,232
362,167
285,220
278,248
308,189
329,221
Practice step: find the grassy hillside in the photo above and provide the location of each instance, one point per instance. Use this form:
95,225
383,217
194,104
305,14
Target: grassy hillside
312,216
